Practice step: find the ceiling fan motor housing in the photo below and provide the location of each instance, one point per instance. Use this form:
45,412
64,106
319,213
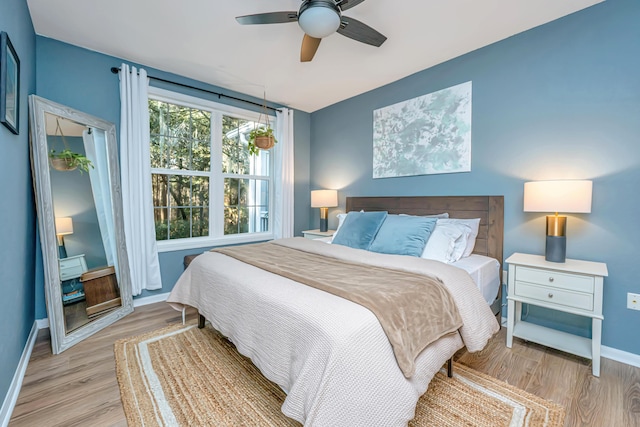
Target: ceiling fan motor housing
319,18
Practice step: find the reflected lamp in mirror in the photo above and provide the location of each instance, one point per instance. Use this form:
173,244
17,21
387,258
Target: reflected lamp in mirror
567,196
64,226
324,199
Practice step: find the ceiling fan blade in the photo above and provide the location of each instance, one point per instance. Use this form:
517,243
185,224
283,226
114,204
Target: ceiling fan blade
268,18
309,48
356,30
348,4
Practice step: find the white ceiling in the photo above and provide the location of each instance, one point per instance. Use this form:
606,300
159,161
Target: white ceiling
200,39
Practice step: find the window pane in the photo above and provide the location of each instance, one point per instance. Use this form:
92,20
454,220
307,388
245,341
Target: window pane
246,205
181,206
179,153
161,221
180,225
201,155
235,155
180,137
230,221
260,164
200,226
201,125
179,191
200,191
158,152
160,191
158,112
243,220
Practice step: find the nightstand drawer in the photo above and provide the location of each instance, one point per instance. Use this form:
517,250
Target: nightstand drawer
574,282
553,295
72,267
71,272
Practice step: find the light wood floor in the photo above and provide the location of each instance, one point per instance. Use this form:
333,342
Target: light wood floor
79,387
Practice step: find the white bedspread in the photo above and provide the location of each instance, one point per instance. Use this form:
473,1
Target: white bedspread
330,355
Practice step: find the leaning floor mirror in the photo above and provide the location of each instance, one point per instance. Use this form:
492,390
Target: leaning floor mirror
76,177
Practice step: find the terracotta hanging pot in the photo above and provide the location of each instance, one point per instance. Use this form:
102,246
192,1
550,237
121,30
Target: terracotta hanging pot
264,142
63,165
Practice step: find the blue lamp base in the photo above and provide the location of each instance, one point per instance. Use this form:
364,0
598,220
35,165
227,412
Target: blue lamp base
556,249
324,219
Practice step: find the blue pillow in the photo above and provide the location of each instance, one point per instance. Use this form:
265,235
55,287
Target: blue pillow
403,235
359,229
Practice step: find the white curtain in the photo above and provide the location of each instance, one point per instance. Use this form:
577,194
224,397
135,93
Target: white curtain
283,175
137,203
95,146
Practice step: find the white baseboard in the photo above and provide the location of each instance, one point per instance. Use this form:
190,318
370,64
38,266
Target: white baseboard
16,384
43,323
137,302
620,356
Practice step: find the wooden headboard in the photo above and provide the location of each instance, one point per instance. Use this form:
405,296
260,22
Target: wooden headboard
490,210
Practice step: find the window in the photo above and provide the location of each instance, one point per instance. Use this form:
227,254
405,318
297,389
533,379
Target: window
207,188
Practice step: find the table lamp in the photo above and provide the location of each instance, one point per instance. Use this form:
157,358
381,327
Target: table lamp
570,196
324,199
64,226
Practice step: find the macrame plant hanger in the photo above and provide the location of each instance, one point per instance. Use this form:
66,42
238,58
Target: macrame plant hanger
264,139
61,163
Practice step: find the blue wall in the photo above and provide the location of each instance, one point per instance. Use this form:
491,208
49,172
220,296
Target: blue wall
17,211
561,101
82,79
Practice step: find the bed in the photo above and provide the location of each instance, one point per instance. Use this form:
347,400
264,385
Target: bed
330,355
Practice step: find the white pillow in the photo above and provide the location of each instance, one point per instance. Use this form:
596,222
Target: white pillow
470,229
445,243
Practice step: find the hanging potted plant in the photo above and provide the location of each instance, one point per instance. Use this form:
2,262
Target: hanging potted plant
261,137
66,160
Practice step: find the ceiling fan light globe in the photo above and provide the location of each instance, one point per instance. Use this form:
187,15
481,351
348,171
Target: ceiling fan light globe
319,22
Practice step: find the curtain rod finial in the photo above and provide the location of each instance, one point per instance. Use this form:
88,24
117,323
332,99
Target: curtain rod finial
115,70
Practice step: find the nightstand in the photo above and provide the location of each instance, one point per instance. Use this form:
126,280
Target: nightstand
317,234
571,287
71,268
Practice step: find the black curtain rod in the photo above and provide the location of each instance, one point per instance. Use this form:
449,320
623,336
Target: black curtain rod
116,70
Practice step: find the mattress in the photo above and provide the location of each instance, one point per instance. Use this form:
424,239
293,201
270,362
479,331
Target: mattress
485,272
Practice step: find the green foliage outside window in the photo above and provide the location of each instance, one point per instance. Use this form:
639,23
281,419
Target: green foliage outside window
180,151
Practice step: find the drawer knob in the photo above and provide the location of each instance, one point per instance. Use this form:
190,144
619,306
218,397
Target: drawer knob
551,279
550,295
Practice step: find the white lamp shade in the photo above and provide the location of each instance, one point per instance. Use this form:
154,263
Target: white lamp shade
64,225
319,21
570,196
324,198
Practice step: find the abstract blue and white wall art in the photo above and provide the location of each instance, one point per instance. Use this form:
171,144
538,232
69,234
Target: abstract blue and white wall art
430,134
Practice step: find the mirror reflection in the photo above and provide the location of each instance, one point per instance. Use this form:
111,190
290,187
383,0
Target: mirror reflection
76,177
84,223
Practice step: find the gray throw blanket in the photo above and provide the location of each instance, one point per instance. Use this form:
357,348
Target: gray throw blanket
414,310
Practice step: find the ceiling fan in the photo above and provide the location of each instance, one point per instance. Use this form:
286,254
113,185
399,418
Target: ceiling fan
318,19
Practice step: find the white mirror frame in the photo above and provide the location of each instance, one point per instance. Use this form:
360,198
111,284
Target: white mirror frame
60,340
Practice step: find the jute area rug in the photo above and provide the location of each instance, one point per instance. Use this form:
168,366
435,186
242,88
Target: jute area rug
185,376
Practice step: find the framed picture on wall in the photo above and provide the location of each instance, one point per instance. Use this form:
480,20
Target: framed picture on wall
9,84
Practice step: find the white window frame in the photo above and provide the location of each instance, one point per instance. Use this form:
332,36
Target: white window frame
216,177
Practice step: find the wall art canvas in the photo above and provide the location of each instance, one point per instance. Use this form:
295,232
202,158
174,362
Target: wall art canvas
9,84
430,134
